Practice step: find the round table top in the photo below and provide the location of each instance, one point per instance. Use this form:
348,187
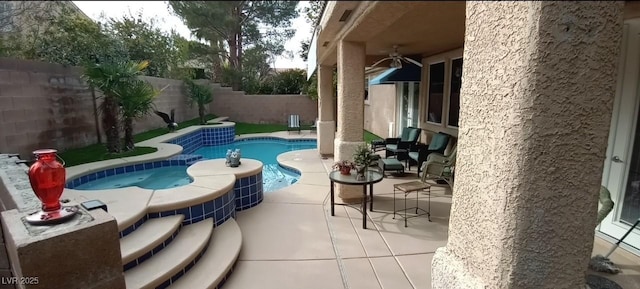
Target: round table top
371,177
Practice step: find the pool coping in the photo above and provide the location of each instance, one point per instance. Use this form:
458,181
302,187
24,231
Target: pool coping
166,151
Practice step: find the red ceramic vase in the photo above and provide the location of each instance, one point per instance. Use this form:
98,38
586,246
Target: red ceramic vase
345,170
47,177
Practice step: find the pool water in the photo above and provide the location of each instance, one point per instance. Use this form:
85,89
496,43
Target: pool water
154,179
265,150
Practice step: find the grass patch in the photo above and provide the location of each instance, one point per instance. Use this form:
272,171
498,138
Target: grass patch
163,130
368,136
98,152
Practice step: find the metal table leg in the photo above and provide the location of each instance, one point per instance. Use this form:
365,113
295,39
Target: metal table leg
333,212
364,206
371,196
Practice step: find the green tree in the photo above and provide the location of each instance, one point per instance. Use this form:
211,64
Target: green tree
144,40
200,95
312,13
236,22
135,98
290,81
68,38
108,77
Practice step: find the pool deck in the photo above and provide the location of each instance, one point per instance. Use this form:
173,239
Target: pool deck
290,241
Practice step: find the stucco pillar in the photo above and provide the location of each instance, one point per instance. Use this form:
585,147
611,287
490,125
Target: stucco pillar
537,94
350,132
326,119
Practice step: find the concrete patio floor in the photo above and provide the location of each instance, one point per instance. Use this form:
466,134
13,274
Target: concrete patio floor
291,241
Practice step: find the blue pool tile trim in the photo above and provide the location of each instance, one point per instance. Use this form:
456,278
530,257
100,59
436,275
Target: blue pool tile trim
276,139
220,209
226,276
154,251
248,191
133,227
297,172
184,270
205,136
123,170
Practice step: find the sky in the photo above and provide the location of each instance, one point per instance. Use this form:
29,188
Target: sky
166,21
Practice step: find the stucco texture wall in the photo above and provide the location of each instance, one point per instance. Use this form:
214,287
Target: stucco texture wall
241,107
537,93
381,109
49,105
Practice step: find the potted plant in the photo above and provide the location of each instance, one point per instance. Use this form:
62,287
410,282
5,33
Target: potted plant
363,156
344,167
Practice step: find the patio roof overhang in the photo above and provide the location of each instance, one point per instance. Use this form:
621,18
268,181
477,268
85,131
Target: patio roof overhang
420,28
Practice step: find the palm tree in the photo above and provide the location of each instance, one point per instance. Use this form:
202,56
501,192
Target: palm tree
107,77
199,94
136,100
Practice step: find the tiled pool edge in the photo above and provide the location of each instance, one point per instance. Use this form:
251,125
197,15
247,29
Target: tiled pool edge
244,200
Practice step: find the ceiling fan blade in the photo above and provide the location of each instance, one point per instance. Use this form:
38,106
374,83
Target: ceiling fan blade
406,59
374,70
380,61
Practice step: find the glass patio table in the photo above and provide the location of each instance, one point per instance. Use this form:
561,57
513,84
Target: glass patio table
371,177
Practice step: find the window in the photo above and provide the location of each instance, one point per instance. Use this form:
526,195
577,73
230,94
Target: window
454,96
435,93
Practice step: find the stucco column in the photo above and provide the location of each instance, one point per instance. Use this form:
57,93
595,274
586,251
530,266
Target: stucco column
350,132
326,120
537,94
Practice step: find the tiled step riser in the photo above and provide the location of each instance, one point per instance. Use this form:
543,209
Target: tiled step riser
221,209
133,227
153,251
226,276
186,269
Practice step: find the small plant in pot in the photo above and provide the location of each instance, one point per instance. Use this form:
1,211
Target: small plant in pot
344,167
363,156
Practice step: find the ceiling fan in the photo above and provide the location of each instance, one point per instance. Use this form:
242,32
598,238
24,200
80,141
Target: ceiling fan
397,59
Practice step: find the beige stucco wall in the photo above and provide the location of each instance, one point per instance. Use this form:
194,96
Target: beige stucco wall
240,107
533,133
48,105
380,109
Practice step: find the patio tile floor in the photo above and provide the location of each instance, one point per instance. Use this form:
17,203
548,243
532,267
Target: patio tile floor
292,241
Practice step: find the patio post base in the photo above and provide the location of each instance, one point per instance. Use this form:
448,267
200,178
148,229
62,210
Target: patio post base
344,151
326,135
448,271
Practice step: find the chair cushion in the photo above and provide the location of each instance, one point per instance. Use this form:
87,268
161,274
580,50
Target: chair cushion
414,134
414,155
391,164
405,134
439,142
392,147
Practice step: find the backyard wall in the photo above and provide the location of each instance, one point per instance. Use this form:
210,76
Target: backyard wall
240,107
48,105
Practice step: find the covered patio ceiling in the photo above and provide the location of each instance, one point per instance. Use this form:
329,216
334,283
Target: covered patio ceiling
421,28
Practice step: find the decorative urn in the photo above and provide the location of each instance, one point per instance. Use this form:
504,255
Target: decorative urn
47,177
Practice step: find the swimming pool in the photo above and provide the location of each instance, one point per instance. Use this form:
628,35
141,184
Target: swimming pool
173,173
266,150
154,179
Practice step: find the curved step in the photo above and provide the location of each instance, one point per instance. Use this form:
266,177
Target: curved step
216,263
151,234
173,259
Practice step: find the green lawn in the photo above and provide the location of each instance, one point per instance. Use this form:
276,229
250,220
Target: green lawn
368,136
98,152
